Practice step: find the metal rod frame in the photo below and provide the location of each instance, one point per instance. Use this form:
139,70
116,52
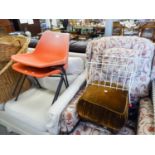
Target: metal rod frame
63,78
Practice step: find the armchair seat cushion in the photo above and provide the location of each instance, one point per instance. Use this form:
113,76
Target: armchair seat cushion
31,108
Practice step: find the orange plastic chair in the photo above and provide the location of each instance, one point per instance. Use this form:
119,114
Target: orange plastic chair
50,58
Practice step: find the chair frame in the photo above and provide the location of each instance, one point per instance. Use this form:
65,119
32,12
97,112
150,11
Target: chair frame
62,75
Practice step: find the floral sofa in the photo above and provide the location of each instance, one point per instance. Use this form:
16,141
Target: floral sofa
70,123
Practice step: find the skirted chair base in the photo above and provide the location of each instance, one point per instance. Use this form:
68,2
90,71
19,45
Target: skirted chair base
87,128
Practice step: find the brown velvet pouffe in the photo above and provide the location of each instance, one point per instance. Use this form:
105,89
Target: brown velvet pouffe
104,106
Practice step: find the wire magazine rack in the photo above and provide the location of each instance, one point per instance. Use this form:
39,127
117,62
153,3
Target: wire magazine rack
114,70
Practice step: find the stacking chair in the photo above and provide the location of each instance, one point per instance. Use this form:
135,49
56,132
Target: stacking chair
49,58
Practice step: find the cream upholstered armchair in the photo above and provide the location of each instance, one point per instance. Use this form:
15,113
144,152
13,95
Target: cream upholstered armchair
143,122
33,113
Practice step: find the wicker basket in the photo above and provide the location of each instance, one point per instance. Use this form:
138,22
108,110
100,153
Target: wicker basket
9,45
8,77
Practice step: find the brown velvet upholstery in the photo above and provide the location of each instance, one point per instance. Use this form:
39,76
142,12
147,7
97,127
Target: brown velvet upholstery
104,106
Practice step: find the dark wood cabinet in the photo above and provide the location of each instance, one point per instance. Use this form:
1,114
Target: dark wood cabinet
6,26
33,28
10,25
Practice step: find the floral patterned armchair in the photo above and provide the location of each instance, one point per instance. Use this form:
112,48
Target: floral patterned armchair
69,120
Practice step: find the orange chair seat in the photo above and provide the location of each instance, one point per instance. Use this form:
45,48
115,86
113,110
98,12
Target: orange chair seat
35,72
39,61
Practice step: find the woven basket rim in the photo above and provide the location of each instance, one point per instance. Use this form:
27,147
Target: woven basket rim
25,45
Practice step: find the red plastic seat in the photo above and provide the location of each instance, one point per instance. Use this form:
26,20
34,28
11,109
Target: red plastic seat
33,71
49,58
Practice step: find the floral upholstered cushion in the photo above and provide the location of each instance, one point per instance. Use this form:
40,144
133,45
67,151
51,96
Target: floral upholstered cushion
146,118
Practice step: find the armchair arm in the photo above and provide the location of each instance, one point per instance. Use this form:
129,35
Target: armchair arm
145,118
55,111
69,117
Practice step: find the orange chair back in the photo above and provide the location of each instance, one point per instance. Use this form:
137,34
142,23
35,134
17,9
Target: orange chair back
53,44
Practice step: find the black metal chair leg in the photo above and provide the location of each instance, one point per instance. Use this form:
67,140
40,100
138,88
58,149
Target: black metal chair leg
64,72
64,81
24,77
37,82
18,81
58,89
